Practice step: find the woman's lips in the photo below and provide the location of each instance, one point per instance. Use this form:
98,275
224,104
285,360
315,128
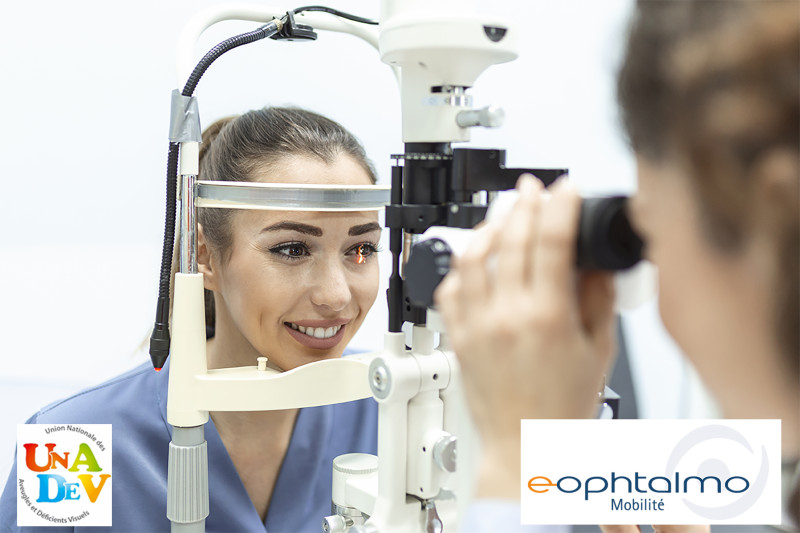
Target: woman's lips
315,342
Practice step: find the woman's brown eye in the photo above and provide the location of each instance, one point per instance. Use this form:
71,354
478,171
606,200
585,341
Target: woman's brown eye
362,252
291,250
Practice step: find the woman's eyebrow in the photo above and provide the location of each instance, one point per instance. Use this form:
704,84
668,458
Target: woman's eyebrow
295,226
363,228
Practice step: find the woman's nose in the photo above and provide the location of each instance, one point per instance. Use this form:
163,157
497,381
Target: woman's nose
331,288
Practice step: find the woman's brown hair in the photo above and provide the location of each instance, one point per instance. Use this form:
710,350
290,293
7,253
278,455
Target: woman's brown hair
718,82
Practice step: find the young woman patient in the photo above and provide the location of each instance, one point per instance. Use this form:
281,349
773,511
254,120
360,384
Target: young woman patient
291,286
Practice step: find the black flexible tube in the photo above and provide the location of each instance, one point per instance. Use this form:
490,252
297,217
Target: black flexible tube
169,223
160,339
341,14
225,46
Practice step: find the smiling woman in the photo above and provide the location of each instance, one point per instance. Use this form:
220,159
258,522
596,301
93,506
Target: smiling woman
271,273
291,286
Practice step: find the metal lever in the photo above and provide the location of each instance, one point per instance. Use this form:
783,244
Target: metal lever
433,524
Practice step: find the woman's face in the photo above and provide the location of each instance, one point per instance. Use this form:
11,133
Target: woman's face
296,286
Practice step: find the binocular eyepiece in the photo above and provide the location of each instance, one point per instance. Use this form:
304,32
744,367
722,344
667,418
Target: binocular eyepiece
606,241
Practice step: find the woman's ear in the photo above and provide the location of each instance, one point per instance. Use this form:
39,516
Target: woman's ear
206,261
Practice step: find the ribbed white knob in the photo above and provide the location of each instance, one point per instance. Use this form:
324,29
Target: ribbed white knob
356,463
348,466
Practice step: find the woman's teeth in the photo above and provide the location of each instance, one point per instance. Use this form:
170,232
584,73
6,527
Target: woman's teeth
319,333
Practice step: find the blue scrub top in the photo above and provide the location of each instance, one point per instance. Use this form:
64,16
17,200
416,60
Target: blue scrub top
135,404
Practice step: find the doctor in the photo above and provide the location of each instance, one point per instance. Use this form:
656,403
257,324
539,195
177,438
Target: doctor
709,96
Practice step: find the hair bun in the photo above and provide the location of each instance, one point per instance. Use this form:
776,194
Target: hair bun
211,132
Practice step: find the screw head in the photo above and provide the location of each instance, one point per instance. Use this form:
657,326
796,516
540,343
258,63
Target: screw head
379,378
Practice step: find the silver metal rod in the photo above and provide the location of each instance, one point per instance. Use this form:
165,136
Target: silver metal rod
290,197
188,244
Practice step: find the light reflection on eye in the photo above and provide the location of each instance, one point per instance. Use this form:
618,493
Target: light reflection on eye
362,252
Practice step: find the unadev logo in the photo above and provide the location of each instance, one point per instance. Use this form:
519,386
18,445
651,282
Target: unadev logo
64,475
651,471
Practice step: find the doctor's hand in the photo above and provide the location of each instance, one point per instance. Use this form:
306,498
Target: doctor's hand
533,337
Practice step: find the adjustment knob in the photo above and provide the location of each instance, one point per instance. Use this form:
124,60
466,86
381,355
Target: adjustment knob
336,524
348,466
356,463
427,266
444,453
491,116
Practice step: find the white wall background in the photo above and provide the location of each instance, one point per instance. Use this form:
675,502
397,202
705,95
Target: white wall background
84,100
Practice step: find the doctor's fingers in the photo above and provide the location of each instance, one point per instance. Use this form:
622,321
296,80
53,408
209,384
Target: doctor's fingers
596,301
515,249
447,301
554,259
474,287
620,529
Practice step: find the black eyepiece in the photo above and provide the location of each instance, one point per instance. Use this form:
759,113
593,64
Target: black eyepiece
606,240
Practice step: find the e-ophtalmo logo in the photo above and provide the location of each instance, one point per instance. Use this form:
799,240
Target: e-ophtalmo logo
651,472
64,475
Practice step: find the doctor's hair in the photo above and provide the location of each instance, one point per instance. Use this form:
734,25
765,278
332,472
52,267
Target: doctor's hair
715,85
237,148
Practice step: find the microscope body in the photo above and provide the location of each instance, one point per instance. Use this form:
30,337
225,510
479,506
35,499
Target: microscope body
438,50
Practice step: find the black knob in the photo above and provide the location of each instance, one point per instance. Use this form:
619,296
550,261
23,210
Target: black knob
427,265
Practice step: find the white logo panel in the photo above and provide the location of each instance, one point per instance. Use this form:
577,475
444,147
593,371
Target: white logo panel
651,472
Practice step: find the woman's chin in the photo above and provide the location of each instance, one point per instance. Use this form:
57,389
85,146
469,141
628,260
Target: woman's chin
303,357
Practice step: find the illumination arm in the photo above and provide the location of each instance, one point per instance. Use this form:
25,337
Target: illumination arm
258,13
